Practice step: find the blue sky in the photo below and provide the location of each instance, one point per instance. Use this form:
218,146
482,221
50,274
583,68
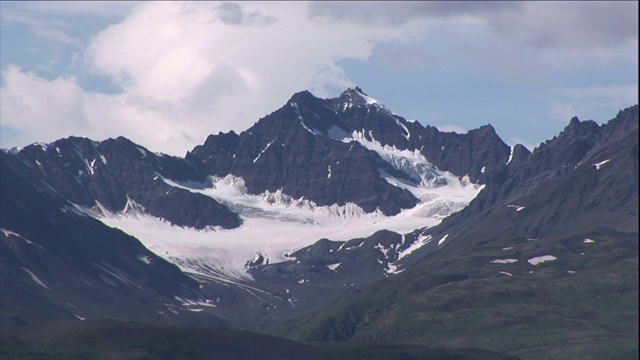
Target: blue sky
168,74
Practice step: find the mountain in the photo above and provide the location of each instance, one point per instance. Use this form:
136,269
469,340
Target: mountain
336,219
237,211
59,263
332,151
544,261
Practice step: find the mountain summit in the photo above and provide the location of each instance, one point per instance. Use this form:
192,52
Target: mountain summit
410,233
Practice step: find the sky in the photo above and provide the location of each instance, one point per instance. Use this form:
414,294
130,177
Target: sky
168,74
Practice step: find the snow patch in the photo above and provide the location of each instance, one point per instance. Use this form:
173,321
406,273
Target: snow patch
420,242
444,238
510,155
188,302
334,266
589,241
506,273
337,133
598,165
35,278
504,261
274,223
309,129
263,151
518,208
540,259
142,151
8,233
407,134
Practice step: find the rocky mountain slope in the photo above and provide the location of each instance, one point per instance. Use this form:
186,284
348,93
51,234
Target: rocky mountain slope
544,262
343,218
237,211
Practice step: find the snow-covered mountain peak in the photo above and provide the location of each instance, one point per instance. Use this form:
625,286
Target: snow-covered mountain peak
357,98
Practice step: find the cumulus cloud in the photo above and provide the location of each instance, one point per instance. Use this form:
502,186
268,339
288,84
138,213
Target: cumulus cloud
185,70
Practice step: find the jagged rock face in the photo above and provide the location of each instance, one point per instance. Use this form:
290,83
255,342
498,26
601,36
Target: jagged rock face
53,256
119,174
551,231
582,180
307,150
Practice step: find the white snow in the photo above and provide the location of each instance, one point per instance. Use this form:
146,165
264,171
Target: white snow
334,266
407,134
598,165
142,151
91,166
311,130
7,233
507,248
420,242
444,238
337,133
483,170
328,171
504,261
144,258
510,155
589,241
506,273
187,302
440,192
393,269
263,151
35,278
518,208
275,223
540,259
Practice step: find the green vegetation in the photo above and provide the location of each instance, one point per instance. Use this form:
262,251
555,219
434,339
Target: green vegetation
109,339
584,305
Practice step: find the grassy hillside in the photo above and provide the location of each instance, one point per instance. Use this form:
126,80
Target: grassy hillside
109,339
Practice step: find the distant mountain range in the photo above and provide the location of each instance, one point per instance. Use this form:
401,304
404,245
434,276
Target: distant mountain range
336,219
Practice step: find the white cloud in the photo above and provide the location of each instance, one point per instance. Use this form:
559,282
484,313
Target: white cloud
584,102
452,128
102,9
40,108
568,24
512,141
43,29
186,70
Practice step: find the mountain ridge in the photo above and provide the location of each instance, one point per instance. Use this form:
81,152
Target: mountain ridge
344,218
